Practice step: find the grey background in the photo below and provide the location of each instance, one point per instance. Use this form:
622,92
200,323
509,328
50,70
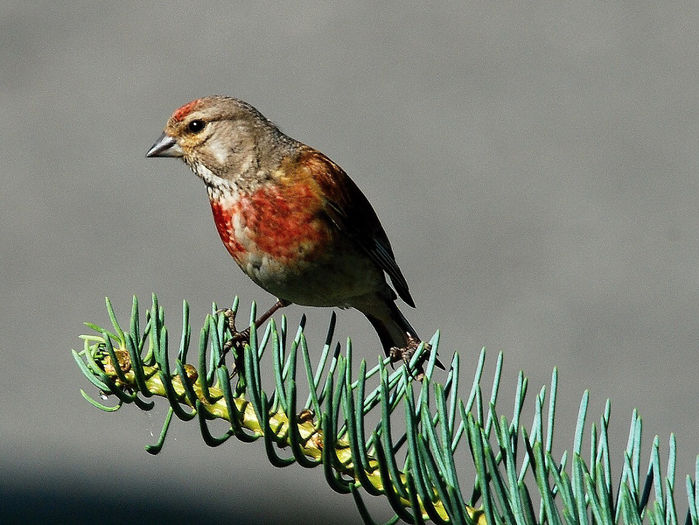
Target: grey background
534,165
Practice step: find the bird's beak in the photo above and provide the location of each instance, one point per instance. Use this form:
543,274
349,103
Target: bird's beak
165,146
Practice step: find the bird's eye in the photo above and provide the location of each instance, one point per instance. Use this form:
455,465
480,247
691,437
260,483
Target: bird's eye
196,126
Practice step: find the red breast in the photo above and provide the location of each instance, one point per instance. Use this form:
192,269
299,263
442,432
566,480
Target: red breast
280,219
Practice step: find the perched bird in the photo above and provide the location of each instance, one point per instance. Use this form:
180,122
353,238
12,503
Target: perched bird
292,219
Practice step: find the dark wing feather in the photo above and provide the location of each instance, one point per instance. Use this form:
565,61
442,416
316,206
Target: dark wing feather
350,211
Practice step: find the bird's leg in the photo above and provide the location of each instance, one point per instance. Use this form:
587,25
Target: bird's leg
239,339
281,303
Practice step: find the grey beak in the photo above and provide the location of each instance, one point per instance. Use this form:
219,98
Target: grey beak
165,146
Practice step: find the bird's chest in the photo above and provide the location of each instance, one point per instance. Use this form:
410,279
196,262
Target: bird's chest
271,230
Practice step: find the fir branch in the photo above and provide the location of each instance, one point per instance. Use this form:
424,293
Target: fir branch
417,470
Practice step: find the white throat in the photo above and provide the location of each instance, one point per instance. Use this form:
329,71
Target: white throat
216,186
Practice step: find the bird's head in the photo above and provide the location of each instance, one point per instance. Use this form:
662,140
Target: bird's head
222,138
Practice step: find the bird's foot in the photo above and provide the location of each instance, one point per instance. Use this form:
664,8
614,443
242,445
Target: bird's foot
406,353
237,341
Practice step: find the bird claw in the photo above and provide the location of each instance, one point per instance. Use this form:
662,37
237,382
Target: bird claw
230,317
237,341
406,353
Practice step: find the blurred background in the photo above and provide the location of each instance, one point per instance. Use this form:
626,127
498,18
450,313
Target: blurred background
535,167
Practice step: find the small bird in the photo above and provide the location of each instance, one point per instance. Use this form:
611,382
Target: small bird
292,219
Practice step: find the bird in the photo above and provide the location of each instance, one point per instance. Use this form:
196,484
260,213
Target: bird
290,217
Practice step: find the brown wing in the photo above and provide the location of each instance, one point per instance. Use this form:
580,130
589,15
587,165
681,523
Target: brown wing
350,211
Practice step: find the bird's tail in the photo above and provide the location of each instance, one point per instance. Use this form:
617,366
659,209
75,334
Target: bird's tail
393,330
